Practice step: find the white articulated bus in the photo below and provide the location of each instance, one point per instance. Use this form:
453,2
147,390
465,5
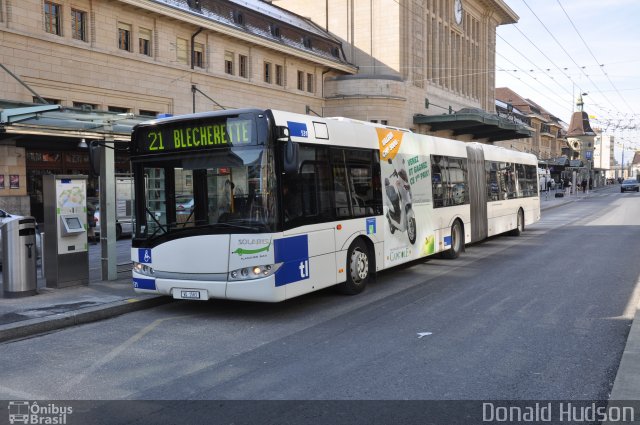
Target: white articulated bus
266,205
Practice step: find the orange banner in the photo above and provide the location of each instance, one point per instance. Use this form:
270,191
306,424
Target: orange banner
389,141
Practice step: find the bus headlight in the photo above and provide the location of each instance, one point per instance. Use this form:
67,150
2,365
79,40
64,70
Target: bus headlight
253,272
142,269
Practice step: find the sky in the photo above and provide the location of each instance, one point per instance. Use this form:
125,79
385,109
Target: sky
562,48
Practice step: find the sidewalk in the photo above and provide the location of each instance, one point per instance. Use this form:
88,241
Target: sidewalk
54,309
548,199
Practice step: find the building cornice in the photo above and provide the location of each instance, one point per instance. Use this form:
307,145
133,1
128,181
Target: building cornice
231,31
503,13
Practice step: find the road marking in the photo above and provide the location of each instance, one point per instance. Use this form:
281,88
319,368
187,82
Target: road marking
421,334
117,351
9,393
632,304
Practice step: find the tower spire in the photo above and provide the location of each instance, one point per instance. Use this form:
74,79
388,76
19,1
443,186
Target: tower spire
580,103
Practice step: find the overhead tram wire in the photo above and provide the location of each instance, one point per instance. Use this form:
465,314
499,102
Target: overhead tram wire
537,89
558,67
541,52
536,65
568,55
594,57
515,26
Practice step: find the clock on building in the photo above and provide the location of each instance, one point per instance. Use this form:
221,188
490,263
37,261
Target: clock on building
457,11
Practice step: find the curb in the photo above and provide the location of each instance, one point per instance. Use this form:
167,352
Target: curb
550,207
40,325
625,386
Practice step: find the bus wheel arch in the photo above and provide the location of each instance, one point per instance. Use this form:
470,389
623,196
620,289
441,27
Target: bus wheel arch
519,223
457,240
360,266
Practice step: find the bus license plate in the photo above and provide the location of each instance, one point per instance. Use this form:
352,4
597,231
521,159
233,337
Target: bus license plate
190,295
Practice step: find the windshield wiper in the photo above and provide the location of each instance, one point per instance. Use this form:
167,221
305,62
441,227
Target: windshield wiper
237,224
160,226
187,221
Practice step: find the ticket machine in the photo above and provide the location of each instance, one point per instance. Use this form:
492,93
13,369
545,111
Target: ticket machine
66,254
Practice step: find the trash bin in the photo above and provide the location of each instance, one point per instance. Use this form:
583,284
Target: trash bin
19,256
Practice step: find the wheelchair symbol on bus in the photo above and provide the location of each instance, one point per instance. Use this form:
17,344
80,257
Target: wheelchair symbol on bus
144,256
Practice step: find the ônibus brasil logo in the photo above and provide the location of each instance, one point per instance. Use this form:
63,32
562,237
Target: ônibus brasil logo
32,413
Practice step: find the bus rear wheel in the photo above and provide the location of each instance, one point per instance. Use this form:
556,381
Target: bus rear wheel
411,226
457,241
358,269
519,226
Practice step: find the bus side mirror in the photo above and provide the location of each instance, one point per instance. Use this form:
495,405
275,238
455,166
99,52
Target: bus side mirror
291,156
95,153
282,133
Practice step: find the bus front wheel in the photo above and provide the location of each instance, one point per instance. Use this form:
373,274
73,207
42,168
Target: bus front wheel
457,241
358,269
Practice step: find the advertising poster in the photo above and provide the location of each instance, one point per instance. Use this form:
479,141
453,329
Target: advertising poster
406,175
1,181
71,201
14,181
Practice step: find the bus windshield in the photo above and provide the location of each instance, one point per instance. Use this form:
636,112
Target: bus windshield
230,190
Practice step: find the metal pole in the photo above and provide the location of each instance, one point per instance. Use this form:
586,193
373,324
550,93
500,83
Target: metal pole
44,102
108,206
622,166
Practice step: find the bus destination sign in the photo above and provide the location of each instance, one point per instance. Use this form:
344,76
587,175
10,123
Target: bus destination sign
170,138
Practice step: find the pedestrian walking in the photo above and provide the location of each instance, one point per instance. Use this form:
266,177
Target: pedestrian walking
91,224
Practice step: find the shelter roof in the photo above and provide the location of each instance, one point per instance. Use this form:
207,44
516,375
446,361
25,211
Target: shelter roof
476,122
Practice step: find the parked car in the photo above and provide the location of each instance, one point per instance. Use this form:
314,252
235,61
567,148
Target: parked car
123,227
5,216
630,185
184,204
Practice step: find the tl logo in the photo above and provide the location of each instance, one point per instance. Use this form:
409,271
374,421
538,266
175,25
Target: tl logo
304,269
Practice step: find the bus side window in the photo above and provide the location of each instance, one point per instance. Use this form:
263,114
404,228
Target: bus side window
309,193
376,185
291,202
340,191
306,195
458,191
493,187
438,180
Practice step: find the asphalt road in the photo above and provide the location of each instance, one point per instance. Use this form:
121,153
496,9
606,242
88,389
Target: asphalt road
540,316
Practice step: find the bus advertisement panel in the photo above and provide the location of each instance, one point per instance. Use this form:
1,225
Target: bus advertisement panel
407,193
